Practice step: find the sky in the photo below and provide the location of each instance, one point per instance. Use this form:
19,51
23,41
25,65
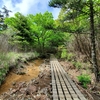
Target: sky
29,7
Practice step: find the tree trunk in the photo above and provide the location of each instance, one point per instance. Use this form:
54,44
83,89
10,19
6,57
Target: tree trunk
93,45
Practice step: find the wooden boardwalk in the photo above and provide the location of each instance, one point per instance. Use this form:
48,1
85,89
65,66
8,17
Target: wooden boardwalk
62,86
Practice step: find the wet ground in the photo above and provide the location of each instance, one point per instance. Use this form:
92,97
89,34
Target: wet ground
32,84
31,71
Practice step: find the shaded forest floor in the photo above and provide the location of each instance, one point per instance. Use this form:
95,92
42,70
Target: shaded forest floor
32,81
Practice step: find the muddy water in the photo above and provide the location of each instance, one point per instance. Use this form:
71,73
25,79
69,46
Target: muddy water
32,71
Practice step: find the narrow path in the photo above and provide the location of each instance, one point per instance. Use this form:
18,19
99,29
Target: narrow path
62,86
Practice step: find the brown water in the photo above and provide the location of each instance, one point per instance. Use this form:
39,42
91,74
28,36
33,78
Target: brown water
32,71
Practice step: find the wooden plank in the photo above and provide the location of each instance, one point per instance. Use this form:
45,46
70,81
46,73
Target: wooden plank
72,84
62,85
66,93
76,99
54,88
60,91
71,91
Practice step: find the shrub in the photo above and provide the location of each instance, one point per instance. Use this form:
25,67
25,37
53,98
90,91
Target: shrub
64,53
3,60
70,56
84,80
77,64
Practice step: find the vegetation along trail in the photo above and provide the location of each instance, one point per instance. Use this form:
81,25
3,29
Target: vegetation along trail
73,37
30,71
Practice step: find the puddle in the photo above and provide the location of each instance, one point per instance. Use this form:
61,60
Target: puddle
32,71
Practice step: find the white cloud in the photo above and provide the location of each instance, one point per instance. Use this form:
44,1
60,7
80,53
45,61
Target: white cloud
30,6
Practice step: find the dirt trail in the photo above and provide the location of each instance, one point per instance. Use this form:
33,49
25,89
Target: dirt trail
31,71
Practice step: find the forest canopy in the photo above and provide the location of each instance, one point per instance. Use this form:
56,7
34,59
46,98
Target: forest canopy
35,31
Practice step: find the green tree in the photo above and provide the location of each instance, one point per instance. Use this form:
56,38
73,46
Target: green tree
21,25
76,8
38,31
1,20
4,13
42,29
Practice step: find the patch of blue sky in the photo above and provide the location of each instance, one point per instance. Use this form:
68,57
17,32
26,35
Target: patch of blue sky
1,3
16,1
29,7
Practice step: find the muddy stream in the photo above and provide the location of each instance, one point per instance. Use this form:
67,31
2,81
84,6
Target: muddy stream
31,71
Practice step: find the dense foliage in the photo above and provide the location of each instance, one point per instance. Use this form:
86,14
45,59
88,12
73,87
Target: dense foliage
80,17
35,31
84,80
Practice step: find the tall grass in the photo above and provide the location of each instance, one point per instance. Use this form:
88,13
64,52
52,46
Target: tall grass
7,59
4,60
5,46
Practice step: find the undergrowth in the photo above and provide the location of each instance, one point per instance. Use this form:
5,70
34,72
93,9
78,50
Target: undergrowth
84,79
66,55
6,59
77,64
